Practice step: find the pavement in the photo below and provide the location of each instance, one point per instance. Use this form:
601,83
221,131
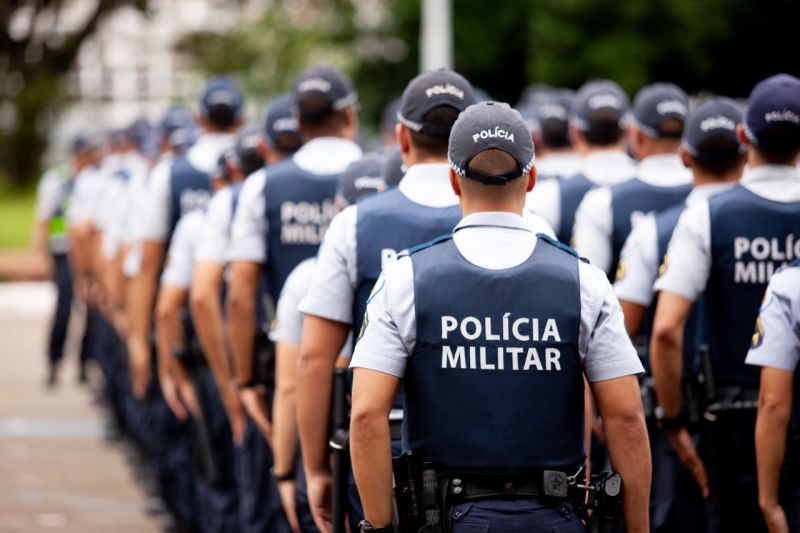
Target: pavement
57,473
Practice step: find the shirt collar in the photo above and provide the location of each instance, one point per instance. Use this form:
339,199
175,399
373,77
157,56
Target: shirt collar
706,191
428,184
763,173
500,219
607,167
664,170
205,152
327,155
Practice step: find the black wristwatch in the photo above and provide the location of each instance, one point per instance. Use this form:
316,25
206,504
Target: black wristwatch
672,423
288,476
365,527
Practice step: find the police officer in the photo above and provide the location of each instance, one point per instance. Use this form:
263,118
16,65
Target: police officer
556,157
712,151
258,500
361,178
51,245
775,350
724,250
283,213
493,381
360,242
596,127
606,215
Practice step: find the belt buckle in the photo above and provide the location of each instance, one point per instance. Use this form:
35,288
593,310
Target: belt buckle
507,489
555,483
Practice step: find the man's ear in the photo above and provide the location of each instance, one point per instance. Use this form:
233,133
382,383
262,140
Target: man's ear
403,138
742,136
686,159
454,182
531,179
261,146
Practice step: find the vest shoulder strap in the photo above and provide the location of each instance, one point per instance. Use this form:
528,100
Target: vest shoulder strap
425,245
561,246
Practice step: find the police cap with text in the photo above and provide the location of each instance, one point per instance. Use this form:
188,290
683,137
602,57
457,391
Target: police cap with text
655,104
324,85
597,104
221,96
772,119
280,125
361,178
487,126
430,90
710,131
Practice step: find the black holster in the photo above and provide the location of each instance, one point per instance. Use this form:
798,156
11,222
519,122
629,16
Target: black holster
419,501
339,444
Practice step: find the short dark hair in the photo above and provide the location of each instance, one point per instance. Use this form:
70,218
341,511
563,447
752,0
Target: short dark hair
783,146
604,129
316,117
443,115
555,134
493,162
221,116
718,156
671,128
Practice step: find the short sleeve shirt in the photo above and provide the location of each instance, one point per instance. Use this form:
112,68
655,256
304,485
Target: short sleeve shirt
776,339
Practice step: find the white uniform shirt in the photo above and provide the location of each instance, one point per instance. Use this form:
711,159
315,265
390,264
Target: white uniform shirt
562,165
776,341
640,253
335,279
389,339
213,246
179,265
88,184
594,219
604,168
324,155
155,208
288,325
690,248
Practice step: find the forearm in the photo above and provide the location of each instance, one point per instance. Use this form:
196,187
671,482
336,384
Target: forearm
771,427
666,365
169,335
241,332
39,238
629,452
284,413
314,389
207,316
371,455
141,297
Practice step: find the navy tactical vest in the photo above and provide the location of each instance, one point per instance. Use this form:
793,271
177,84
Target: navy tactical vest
299,207
636,196
491,385
387,224
189,189
571,193
751,237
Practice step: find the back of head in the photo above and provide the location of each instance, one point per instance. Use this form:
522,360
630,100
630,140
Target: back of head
393,167
659,111
552,118
248,155
598,112
429,107
360,178
772,120
281,131
320,95
221,103
710,136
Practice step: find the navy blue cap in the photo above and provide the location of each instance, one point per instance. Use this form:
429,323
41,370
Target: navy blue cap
772,120
551,117
656,103
442,87
327,84
81,143
222,94
710,131
248,155
393,167
361,178
596,100
175,118
389,117
485,126
280,125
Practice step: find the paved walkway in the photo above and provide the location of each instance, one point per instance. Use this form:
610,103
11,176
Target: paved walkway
56,471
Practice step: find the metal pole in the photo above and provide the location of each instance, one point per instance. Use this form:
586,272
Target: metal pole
436,47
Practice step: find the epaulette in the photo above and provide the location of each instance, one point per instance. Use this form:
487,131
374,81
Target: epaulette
424,245
561,246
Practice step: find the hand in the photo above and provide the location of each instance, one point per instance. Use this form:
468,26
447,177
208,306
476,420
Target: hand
169,390
236,415
775,518
140,371
684,446
288,493
320,500
254,401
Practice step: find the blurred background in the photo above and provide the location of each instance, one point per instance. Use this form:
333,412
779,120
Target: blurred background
70,65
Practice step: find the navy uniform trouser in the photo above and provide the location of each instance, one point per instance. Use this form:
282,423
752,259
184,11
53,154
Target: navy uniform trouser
728,450
217,499
514,516
676,503
58,330
260,508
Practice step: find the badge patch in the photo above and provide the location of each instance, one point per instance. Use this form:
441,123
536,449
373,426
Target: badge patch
364,325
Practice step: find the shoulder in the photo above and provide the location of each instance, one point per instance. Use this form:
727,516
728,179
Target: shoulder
598,198
300,278
221,201
253,186
786,282
537,223
191,223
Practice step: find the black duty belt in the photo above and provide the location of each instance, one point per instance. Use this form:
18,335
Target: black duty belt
544,483
729,399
